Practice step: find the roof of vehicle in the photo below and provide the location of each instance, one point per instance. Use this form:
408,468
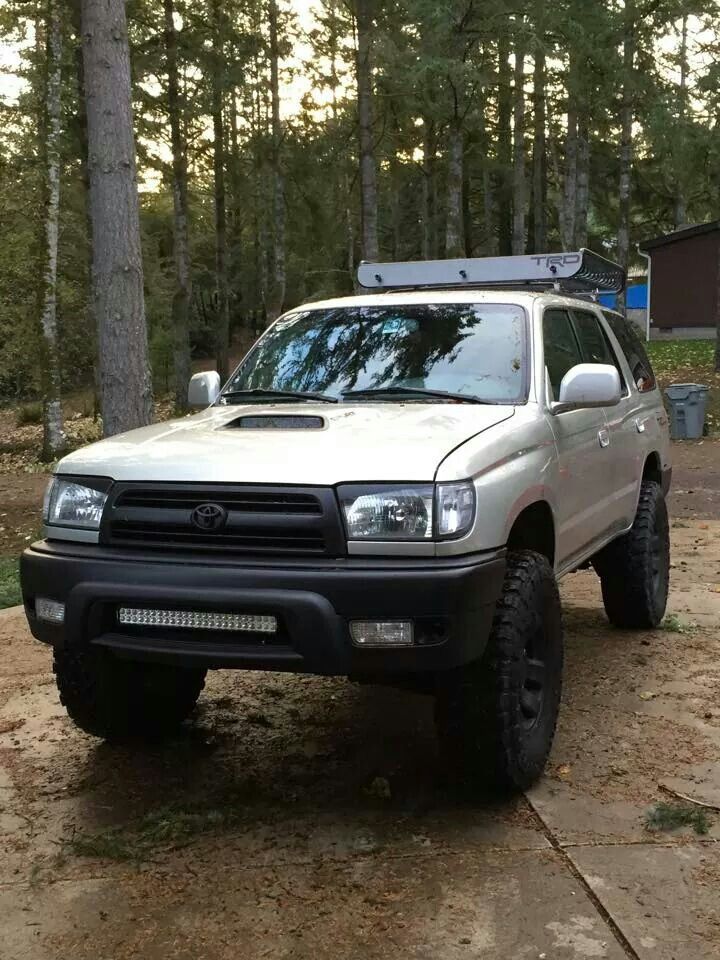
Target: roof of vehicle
510,296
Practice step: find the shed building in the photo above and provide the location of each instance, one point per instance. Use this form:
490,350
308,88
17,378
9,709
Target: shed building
684,272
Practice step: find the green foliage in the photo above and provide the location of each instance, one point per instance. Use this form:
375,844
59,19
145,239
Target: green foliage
689,361
436,62
671,358
173,825
673,624
10,594
29,413
663,817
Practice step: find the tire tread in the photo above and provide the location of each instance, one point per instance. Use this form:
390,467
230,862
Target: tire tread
110,698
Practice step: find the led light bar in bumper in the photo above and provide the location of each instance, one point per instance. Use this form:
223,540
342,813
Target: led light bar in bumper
197,620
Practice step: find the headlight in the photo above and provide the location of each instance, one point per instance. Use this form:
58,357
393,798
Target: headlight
388,512
396,512
76,502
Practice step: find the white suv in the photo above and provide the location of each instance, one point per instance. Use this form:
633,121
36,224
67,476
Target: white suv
387,488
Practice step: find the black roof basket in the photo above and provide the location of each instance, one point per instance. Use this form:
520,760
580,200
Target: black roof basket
583,272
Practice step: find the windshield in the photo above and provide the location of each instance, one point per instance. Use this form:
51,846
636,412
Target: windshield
470,349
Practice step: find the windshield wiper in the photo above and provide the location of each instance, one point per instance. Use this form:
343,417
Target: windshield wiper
282,394
409,392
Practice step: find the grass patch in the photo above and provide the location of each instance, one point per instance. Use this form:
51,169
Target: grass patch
29,413
9,582
168,826
673,624
689,361
670,816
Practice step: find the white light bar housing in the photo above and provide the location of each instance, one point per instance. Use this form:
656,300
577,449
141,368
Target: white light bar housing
197,620
581,272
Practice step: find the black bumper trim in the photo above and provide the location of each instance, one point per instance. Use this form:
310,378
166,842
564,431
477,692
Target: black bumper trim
451,600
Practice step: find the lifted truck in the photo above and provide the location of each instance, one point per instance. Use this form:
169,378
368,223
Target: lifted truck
387,488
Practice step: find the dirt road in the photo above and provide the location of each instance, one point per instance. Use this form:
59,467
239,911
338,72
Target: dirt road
305,818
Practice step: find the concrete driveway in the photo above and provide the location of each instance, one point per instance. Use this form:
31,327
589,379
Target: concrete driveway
307,818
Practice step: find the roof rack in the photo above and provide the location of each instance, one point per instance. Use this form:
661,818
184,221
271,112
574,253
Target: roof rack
583,272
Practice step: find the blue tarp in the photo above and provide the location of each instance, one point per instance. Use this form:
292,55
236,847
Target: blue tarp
636,298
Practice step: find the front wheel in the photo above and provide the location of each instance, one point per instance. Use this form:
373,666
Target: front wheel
496,718
635,569
124,699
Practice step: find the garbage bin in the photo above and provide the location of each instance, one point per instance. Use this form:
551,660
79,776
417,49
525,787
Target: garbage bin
687,403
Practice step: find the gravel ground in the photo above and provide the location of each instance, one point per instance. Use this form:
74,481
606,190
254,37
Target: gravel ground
301,817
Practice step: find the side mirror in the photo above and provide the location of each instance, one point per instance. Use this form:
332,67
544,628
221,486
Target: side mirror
589,385
204,389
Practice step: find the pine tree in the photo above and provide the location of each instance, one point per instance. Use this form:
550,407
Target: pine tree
53,435
118,301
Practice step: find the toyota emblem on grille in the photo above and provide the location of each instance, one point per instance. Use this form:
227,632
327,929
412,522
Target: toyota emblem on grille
209,517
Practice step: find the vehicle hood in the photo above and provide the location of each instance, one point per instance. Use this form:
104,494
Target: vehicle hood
358,442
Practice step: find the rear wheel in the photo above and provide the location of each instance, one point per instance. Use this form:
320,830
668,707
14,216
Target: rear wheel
496,718
635,569
124,699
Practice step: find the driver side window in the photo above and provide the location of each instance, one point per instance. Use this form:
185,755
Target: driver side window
562,352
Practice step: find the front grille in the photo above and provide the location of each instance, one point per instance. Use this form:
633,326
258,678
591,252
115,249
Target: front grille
255,520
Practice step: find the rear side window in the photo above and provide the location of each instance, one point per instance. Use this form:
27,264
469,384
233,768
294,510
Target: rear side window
594,343
635,353
561,347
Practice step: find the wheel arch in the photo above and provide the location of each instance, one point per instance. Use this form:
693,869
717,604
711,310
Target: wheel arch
652,469
534,529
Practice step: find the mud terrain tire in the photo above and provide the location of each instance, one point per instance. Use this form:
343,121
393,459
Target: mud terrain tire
122,699
496,718
635,569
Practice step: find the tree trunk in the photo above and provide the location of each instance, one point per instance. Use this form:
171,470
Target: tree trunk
490,244
235,278
276,299
519,184
125,382
396,178
468,231
504,147
539,163
53,436
181,245
222,328
627,115
717,310
368,172
569,192
429,192
582,197
396,205
455,230
81,133
680,198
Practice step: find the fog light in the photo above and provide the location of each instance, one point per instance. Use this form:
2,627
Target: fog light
382,633
197,620
49,610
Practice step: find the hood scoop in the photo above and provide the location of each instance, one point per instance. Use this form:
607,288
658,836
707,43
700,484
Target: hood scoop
276,422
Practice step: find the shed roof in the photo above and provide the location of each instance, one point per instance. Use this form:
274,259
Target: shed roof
686,233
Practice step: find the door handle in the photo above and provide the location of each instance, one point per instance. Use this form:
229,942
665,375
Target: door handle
604,438
640,425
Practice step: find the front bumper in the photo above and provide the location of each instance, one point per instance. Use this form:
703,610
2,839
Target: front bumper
450,600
